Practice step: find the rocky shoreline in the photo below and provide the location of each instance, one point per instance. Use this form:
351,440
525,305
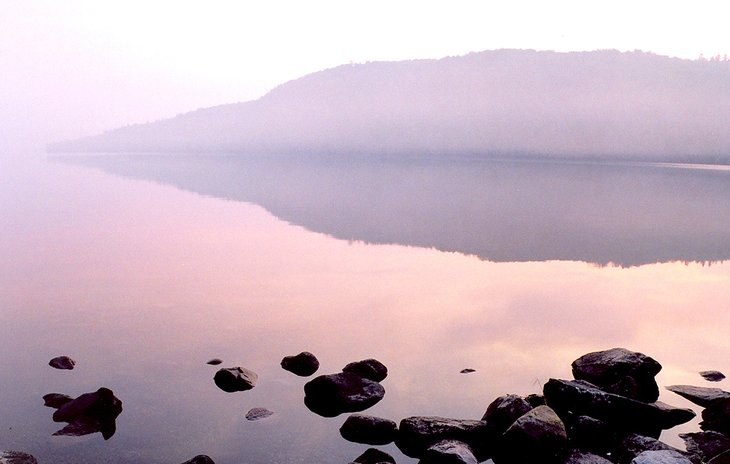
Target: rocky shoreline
608,413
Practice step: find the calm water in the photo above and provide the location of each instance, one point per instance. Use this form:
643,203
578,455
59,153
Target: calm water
142,269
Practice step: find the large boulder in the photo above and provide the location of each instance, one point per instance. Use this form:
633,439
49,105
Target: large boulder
716,416
701,396
591,434
661,457
303,364
577,397
504,411
417,434
374,456
235,379
335,394
620,371
90,413
537,436
706,445
632,445
370,369
449,452
370,430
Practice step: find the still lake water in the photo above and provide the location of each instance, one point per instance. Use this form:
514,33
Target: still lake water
144,267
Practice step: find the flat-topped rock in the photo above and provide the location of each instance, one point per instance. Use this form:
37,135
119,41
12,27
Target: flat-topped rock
701,396
370,430
416,434
335,394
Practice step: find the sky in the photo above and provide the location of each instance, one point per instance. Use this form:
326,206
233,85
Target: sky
78,67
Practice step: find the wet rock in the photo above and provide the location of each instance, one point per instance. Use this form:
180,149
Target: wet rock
449,452
582,457
712,376
716,416
215,362
16,457
535,400
504,411
578,397
537,436
334,394
62,362
416,434
588,433
370,369
706,445
303,364
468,370
258,413
660,457
701,396
200,459
370,430
620,371
234,379
633,445
55,400
90,413
374,456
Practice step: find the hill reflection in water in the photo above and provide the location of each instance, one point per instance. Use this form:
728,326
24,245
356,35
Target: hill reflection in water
500,211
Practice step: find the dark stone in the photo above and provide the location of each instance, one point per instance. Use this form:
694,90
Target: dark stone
620,371
535,400
716,416
16,457
417,434
62,362
701,396
234,379
55,400
258,413
303,364
633,445
374,456
661,457
90,413
582,457
504,411
706,445
370,369
588,433
449,452
578,397
712,376
334,394
370,430
722,458
200,459
537,436
467,371
215,362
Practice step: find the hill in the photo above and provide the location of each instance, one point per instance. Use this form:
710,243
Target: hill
495,103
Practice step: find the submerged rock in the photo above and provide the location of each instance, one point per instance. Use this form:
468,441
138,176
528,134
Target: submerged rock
234,379
712,376
55,400
449,452
258,413
620,371
468,370
537,436
374,456
215,362
16,457
200,459
62,362
303,364
370,369
335,394
370,430
701,396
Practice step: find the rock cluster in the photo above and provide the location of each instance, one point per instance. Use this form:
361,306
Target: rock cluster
89,413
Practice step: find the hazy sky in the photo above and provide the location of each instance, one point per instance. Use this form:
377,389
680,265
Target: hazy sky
73,67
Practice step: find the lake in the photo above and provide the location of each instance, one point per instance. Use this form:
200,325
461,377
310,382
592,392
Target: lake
142,268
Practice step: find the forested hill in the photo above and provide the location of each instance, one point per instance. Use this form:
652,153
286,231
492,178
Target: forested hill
495,103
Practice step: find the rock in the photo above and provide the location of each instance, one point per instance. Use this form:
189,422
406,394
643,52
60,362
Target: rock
582,457
712,376
706,445
716,416
701,396
374,456
16,457
535,400
467,371
370,369
537,436
200,459
503,412
55,400
620,371
215,362
578,397
660,457
588,433
234,379
416,434
722,458
303,364
334,394
258,413
90,413
370,430
634,444
62,362
449,452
